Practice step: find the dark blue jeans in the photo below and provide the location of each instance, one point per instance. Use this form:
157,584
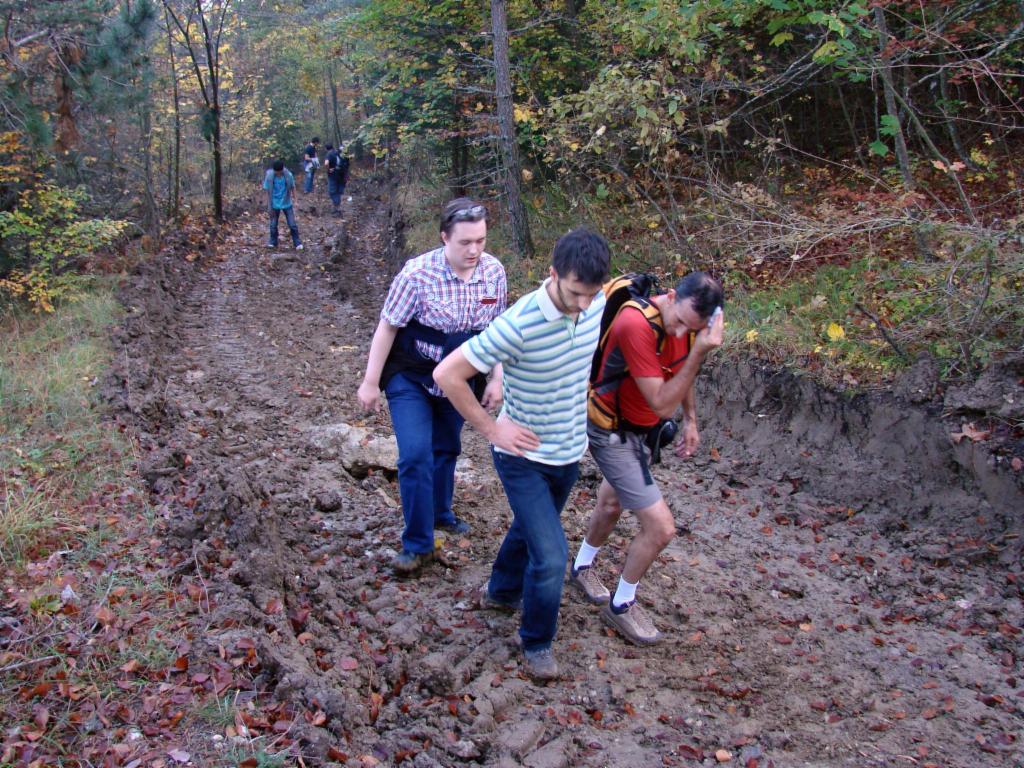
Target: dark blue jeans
308,186
335,187
532,558
428,430
289,216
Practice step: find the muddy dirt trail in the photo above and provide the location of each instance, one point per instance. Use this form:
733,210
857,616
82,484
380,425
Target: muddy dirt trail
844,590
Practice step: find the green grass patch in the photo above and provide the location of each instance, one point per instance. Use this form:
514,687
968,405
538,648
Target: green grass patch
864,322
264,759
24,514
55,447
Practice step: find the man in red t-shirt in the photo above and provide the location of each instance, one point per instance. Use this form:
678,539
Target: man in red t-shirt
654,386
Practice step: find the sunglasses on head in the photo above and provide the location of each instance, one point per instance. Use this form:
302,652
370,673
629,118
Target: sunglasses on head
473,213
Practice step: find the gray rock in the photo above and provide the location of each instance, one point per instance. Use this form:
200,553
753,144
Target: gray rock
358,449
464,749
438,674
522,737
997,392
919,383
557,753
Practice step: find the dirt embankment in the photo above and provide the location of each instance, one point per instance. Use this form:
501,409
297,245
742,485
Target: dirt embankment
844,589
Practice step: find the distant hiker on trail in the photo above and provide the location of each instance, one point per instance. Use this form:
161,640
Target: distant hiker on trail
310,162
337,175
280,184
650,358
545,343
438,300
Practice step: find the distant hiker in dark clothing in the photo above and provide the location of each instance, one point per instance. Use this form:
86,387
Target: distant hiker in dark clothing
279,184
310,162
337,176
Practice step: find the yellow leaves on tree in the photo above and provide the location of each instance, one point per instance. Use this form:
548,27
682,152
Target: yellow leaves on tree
43,238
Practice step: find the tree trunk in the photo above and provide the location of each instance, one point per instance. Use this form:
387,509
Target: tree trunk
507,131
218,173
334,105
890,98
151,212
175,186
325,109
951,129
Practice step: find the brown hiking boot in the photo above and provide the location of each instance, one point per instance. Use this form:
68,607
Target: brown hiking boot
589,585
632,622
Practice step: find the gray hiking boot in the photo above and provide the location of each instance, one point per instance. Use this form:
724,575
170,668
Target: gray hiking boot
589,585
632,622
486,601
408,563
540,665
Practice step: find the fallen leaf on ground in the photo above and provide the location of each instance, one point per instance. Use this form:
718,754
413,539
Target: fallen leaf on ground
970,431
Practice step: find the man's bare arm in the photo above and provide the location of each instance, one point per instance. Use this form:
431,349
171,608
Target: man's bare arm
380,348
452,374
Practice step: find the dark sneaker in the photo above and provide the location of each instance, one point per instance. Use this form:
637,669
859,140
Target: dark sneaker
486,601
632,622
540,665
410,562
459,527
586,581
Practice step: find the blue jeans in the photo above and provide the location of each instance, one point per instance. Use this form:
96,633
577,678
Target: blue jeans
428,430
308,186
335,187
289,216
532,558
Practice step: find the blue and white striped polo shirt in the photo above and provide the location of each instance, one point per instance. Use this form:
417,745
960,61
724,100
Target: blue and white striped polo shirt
546,360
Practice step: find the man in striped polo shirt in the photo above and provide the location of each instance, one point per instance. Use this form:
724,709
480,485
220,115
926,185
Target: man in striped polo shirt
545,344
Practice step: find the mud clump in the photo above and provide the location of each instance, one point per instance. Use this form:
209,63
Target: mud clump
844,589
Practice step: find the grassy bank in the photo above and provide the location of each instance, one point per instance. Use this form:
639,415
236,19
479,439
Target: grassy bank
854,317
55,448
86,616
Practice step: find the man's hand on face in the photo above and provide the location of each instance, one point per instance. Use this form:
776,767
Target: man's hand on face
512,438
369,396
711,336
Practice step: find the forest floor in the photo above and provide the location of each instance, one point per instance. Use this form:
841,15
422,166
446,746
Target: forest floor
845,588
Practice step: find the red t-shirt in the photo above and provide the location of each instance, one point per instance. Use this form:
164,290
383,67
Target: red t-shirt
633,343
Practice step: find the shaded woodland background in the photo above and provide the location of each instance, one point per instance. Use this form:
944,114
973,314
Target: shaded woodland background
872,146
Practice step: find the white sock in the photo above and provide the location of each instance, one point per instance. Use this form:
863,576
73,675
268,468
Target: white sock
585,556
626,593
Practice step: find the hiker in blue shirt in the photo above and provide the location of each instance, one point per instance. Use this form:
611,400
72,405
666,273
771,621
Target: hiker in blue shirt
279,184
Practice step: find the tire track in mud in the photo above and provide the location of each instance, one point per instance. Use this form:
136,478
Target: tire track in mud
800,631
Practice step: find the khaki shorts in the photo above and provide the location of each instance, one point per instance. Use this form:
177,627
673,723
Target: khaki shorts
625,465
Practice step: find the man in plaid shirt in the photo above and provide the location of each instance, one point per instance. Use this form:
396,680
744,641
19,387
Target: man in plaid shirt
439,300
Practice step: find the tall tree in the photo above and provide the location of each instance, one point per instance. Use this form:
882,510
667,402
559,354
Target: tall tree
507,145
201,26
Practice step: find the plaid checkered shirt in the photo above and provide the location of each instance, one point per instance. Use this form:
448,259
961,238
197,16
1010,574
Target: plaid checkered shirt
428,290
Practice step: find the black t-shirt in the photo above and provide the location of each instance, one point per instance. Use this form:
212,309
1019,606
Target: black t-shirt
310,151
332,159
